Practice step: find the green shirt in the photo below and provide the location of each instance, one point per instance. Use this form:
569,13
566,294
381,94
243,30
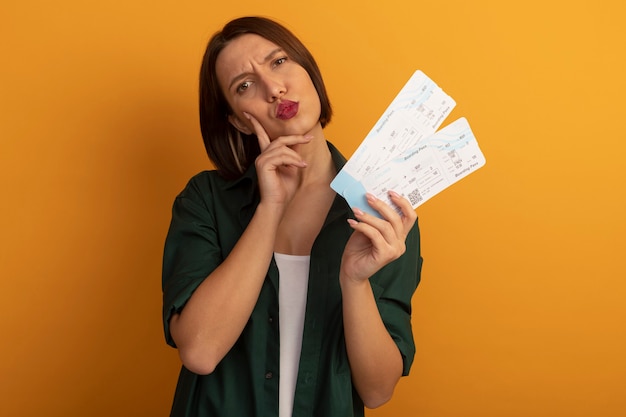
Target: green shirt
208,217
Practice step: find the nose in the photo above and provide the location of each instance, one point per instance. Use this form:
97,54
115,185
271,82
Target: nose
274,87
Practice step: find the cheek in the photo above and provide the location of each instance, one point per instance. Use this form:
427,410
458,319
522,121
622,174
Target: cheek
237,106
313,93
250,104
317,104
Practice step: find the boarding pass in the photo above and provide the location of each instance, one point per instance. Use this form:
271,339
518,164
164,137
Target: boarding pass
404,152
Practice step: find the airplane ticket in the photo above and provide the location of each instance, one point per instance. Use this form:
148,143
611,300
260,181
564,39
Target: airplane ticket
404,152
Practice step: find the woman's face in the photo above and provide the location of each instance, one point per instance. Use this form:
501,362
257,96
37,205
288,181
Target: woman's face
257,77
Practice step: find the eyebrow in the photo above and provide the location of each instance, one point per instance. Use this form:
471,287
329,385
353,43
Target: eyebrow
267,58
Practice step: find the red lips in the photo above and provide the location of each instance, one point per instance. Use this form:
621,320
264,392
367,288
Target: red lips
286,109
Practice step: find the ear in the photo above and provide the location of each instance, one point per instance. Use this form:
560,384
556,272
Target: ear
239,124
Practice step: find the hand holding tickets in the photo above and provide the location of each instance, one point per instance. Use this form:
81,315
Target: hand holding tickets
404,152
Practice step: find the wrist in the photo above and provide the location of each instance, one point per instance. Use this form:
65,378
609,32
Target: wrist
270,213
348,283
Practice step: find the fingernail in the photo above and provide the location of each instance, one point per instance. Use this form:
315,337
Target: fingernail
247,116
309,136
352,222
394,194
358,211
370,197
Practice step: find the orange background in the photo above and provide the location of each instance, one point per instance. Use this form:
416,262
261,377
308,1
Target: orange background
521,309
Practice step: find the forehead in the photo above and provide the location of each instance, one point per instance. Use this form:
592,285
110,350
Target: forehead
240,53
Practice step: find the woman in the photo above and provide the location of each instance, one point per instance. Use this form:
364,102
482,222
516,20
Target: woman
280,298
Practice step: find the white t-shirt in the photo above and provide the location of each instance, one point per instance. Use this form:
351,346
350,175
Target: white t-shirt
293,274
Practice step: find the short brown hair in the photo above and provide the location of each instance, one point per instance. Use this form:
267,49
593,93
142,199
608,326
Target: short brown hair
231,151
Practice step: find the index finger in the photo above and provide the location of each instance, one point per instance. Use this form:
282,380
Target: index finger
408,213
261,134
401,217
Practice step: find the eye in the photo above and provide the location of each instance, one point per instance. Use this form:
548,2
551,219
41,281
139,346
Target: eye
280,61
243,86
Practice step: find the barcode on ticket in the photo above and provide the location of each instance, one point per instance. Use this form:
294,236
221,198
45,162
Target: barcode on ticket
415,197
